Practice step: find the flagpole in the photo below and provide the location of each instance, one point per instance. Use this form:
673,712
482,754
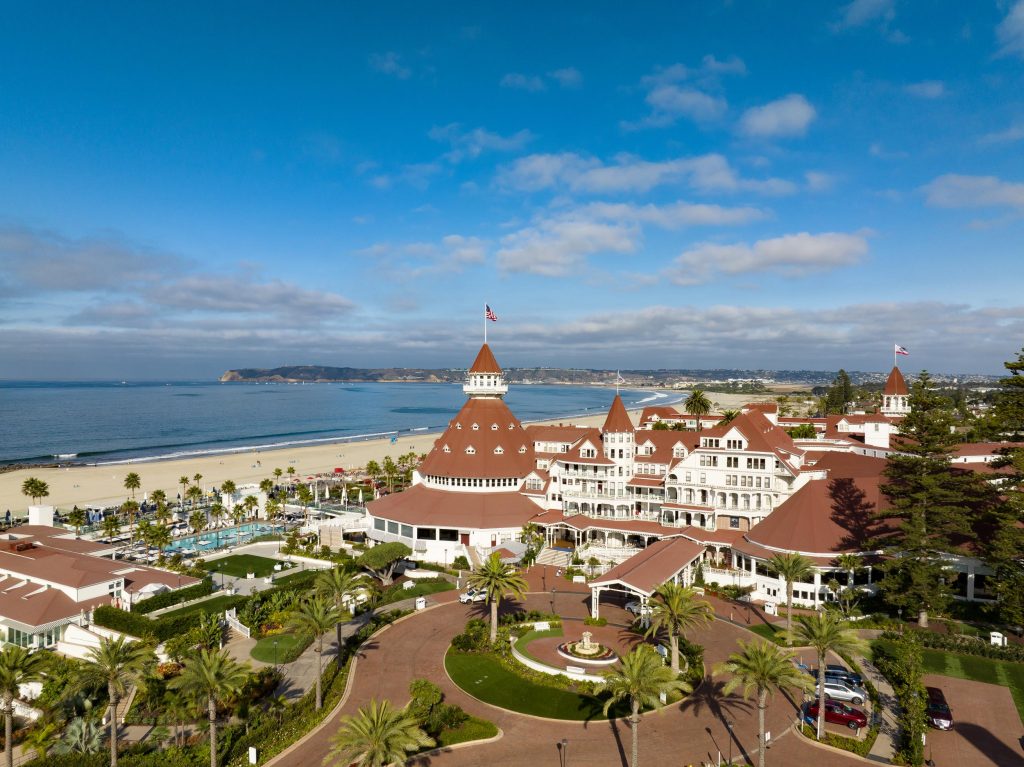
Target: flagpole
485,324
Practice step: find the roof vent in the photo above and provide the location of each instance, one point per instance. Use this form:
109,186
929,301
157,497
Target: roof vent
494,427
475,427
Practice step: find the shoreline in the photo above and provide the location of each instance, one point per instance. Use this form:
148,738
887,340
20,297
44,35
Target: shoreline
102,484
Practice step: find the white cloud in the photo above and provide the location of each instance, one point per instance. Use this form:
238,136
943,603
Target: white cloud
1008,136
861,12
522,82
472,143
568,77
878,150
818,181
1010,31
390,63
453,254
788,116
956,191
670,101
674,215
793,255
709,173
696,100
926,89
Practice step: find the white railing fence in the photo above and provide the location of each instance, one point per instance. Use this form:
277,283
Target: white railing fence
232,620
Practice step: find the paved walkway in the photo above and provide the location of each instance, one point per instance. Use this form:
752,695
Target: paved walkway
690,733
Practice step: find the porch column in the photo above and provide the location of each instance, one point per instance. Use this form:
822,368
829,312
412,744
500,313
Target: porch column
595,598
817,588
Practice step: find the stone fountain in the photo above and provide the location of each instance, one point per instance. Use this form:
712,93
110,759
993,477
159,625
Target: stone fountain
588,651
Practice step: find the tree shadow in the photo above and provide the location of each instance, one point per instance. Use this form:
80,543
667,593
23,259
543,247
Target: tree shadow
855,514
710,697
983,740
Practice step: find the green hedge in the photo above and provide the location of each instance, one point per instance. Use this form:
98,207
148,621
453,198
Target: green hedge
966,645
161,629
168,598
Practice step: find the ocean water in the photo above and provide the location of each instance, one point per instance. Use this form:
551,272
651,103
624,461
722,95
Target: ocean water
111,422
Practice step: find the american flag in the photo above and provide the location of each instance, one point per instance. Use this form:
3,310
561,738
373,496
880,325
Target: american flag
489,314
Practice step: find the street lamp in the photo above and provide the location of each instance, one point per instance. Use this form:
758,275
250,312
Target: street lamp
552,600
728,726
564,752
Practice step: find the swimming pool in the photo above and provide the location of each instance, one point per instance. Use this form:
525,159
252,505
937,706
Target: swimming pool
218,539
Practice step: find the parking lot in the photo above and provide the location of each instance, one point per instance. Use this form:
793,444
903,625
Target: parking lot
987,729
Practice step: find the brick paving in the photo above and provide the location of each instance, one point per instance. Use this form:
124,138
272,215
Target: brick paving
690,733
987,728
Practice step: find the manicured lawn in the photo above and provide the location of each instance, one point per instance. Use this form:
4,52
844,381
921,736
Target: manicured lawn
421,589
210,606
289,647
294,574
474,729
977,669
769,632
240,565
529,636
484,677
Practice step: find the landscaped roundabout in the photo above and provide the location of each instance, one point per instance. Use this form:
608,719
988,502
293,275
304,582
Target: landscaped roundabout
534,672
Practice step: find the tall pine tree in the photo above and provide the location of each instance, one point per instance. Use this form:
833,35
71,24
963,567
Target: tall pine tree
932,502
1004,551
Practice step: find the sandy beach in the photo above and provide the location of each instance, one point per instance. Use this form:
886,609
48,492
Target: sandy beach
103,485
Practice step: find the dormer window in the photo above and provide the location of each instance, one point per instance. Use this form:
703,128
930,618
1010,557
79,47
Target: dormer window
475,427
499,450
522,450
447,449
458,426
470,450
494,427
511,426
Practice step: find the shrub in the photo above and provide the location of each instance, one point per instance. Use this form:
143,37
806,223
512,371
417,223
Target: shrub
589,621
526,616
168,598
474,637
460,563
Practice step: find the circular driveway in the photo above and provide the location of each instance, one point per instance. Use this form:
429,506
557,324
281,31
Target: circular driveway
683,734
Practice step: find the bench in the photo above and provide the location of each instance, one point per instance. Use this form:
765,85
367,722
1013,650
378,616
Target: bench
576,669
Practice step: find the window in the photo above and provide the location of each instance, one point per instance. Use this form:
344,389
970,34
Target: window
475,427
734,444
755,463
392,527
499,450
732,462
687,476
378,524
447,535
734,522
407,531
470,450
426,533
703,478
494,427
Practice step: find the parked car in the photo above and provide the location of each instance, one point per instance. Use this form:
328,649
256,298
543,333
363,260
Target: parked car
836,689
839,713
939,715
637,609
473,595
841,674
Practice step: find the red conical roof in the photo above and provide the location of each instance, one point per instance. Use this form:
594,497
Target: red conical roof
896,384
618,419
485,362
483,440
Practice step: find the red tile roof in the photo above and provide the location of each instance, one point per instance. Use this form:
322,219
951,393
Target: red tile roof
645,571
429,507
895,384
618,420
485,362
496,428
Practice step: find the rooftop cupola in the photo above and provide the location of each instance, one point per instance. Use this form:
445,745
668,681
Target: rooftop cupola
484,378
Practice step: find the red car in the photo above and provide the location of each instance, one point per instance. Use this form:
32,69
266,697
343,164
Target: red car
839,713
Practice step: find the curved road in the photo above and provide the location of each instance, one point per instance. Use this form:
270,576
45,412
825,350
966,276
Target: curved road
685,734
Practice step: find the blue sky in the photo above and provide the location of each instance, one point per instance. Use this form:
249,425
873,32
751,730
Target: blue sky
739,184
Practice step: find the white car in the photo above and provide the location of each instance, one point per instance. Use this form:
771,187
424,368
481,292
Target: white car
836,689
473,595
637,609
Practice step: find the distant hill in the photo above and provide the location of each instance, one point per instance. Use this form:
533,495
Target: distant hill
717,380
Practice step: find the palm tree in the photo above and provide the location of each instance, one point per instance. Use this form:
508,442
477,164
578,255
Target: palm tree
158,496
698,404
291,473
35,489
197,520
194,495
81,736
277,705
77,519
851,563
118,664
676,609
315,617
762,667
216,512
250,503
111,527
273,509
266,485
728,416
197,478
184,482
216,676
791,567
161,538
498,580
305,498
340,587
277,474
377,735
641,678
177,710
826,633
132,483
130,509
17,667
373,470
228,487
42,738
390,472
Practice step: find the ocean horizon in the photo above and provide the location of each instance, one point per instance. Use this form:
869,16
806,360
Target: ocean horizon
110,422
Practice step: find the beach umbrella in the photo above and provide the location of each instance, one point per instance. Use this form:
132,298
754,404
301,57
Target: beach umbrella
360,499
